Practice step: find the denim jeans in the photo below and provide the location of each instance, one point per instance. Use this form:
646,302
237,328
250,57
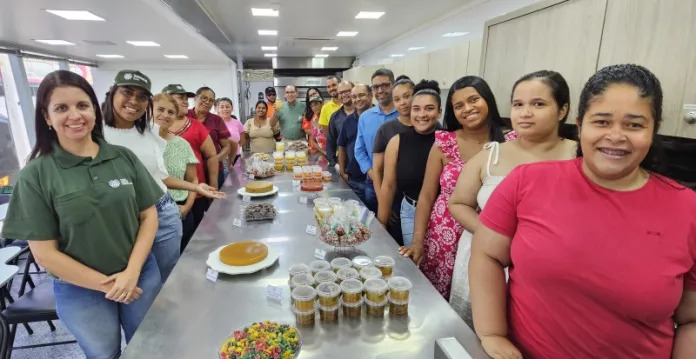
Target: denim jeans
408,218
358,188
370,195
96,322
167,246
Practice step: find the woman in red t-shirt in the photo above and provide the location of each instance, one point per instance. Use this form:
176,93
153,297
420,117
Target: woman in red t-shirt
601,249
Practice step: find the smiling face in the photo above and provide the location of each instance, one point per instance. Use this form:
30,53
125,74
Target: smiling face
424,113
316,107
616,132
470,109
165,113
534,112
204,101
332,87
344,93
71,114
130,103
183,101
382,88
224,109
402,95
261,109
312,92
290,93
362,98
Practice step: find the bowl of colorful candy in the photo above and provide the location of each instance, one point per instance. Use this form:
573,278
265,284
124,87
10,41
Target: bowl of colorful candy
262,340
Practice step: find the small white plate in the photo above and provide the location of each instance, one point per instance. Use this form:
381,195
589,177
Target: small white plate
214,263
243,192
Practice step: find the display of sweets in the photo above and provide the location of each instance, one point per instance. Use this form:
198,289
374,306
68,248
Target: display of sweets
264,340
340,225
260,212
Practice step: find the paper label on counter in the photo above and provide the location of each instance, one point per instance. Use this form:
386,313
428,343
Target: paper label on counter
246,199
251,177
211,275
311,229
319,254
237,222
303,200
275,293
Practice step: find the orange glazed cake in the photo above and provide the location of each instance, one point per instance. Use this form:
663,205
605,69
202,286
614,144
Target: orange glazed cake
259,187
244,253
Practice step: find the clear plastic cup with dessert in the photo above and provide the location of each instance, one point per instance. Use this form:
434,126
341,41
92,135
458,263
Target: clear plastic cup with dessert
326,175
386,265
307,171
340,262
351,291
376,290
399,288
325,276
397,307
361,262
328,293
280,146
303,279
319,202
328,314
305,317
298,268
375,309
290,156
334,201
370,273
304,297
297,173
278,156
347,273
352,310
318,266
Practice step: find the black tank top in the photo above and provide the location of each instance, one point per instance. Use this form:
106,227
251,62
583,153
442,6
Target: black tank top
413,157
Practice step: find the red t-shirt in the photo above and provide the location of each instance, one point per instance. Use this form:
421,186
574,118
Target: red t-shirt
196,134
595,273
216,128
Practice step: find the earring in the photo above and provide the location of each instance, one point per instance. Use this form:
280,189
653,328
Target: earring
50,128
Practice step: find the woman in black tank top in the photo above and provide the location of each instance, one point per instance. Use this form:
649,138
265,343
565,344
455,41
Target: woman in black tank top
407,155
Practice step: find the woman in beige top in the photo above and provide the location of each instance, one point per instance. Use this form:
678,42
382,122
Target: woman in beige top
259,131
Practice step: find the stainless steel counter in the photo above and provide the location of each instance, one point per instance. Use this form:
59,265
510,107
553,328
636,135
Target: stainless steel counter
192,316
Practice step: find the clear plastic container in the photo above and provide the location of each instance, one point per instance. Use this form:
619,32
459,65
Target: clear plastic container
321,202
328,314
333,201
375,309
297,173
386,265
397,307
361,262
278,156
304,298
376,290
340,262
302,279
290,155
399,288
328,294
347,273
280,146
370,273
301,154
307,172
299,268
318,266
352,290
325,276
305,317
352,310
326,175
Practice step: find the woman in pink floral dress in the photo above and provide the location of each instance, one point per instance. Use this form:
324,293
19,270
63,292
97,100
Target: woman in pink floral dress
471,120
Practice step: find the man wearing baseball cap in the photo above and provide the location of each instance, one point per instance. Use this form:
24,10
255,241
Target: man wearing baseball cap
272,101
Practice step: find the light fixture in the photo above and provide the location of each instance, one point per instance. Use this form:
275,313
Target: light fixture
176,56
76,15
396,55
321,55
268,32
144,43
454,34
416,48
329,48
110,56
270,55
347,33
264,12
369,15
269,48
56,42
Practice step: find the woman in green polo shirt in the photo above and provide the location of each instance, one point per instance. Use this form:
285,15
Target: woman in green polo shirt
87,209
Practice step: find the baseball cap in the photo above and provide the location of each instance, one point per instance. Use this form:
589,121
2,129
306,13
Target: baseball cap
316,99
177,89
133,78
270,90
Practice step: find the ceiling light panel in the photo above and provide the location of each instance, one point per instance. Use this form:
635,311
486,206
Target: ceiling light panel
321,55
176,56
454,34
78,15
270,55
56,42
346,33
329,48
369,15
396,55
110,56
265,12
144,43
415,48
269,48
268,32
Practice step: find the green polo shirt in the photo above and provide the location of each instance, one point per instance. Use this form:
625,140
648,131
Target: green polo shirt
91,206
290,119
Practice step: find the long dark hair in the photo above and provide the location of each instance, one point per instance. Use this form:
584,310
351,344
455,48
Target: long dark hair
559,90
110,114
495,123
308,110
261,102
428,88
45,138
648,87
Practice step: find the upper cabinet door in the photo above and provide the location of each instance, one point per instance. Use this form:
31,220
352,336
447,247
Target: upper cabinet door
416,67
660,35
563,37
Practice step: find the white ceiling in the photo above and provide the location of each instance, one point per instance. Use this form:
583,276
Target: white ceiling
21,21
322,19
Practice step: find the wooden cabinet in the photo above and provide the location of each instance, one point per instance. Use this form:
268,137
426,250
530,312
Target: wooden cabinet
397,67
441,66
660,35
416,67
473,64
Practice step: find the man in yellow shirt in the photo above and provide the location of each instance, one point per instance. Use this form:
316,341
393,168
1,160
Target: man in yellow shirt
330,106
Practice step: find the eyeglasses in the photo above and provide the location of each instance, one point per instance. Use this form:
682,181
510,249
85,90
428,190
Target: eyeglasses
206,99
346,92
385,86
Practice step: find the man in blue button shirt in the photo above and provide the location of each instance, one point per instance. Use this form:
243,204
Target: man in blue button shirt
349,169
368,124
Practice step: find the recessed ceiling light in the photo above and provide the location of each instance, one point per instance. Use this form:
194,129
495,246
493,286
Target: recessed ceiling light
269,48
416,48
369,15
396,55
268,32
56,42
270,55
76,15
454,34
264,12
321,55
111,56
144,43
176,56
347,33
329,48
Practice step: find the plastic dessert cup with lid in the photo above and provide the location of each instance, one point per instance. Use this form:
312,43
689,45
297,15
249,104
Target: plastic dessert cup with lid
340,262
370,273
352,290
299,268
278,166
386,265
352,310
376,290
347,273
307,171
335,200
297,173
397,307
327,176
361,262
280,146
375,309
328,293
290,155
304,298
399,288
301,279
319,202
328,314
305,317
318,266
325,276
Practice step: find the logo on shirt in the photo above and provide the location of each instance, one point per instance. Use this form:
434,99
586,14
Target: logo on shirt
114,183
126,182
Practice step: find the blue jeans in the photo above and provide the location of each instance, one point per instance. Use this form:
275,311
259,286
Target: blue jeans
96,322
167,246
358,188
408,218
370,195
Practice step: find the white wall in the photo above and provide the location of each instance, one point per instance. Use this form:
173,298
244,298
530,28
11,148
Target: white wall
222,79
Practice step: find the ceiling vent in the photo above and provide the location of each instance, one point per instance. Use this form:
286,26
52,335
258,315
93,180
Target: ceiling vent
100,42
307,42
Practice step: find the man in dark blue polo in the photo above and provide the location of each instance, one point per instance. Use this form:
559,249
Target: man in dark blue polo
349,168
